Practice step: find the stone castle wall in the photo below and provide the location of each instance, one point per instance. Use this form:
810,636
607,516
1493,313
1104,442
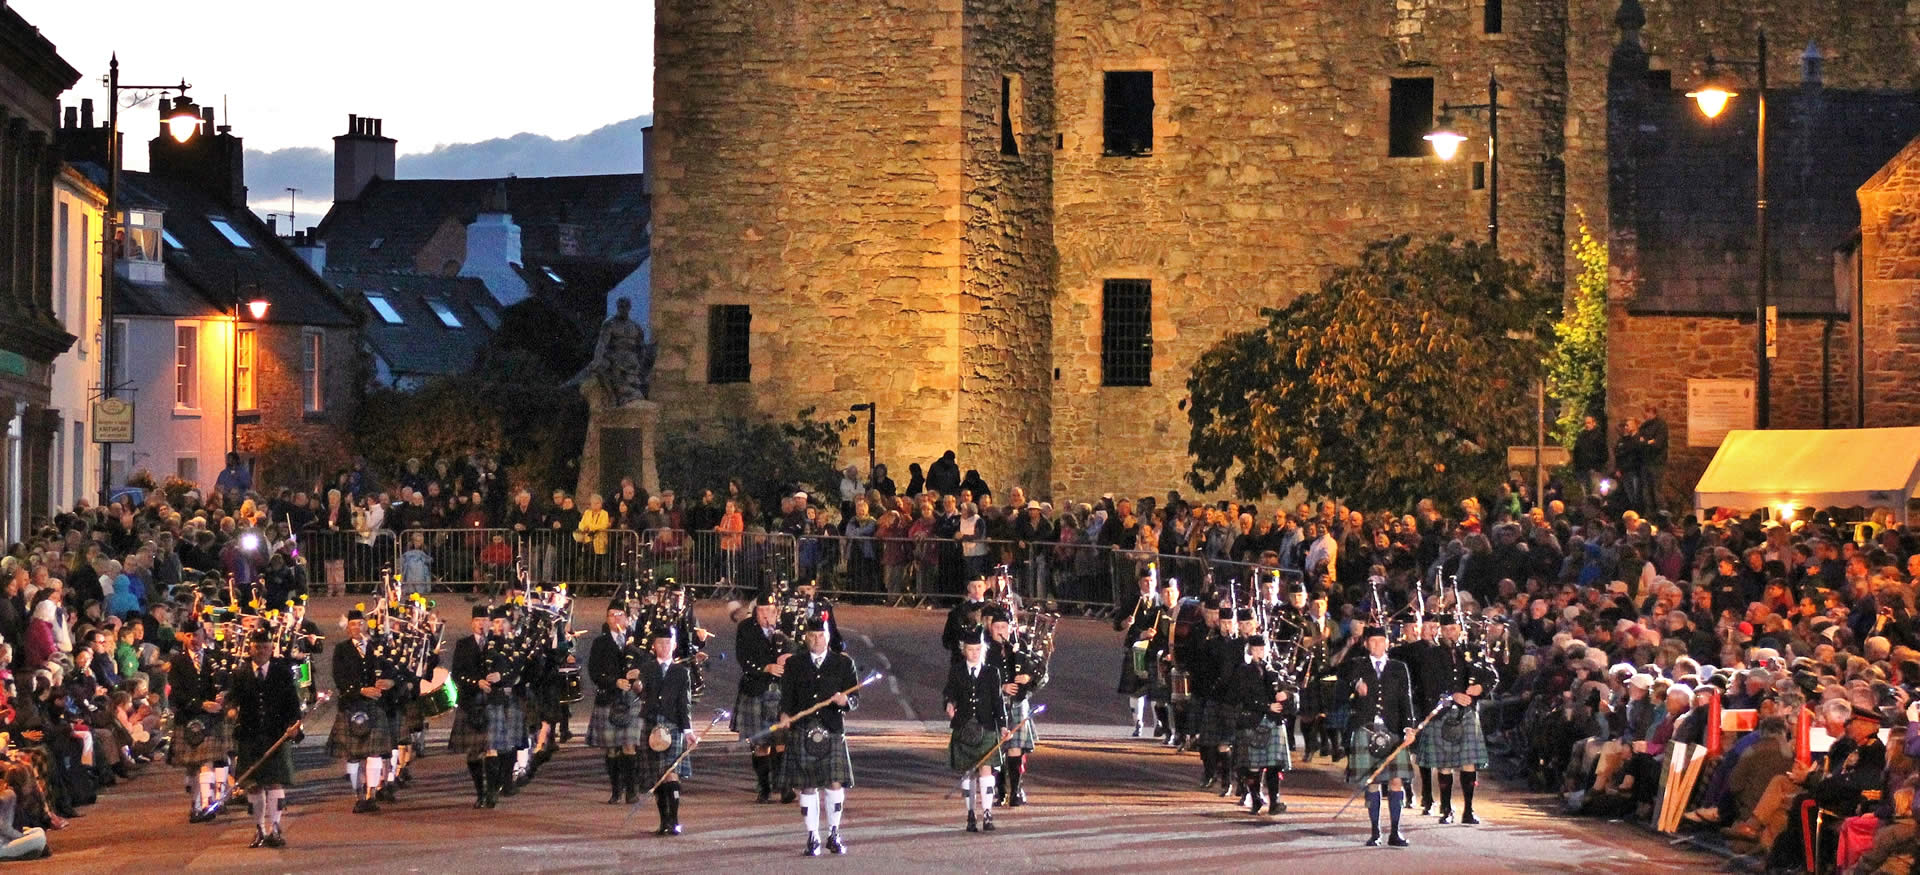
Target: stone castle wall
1890,274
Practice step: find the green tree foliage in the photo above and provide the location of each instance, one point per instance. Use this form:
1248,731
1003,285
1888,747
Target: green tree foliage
770,458
534,428
1406,375
1577,368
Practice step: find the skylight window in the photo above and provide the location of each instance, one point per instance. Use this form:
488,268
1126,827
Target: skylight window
227,231
383,307
171,242
553,276
445,312
376,243
488,316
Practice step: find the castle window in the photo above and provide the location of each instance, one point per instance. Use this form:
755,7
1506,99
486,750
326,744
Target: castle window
1410,117
1009,115
1128,114
1126,333
1479,175
727,332
1490,17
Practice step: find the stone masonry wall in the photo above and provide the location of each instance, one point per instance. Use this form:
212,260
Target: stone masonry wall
1006,292
324,437
1269,169
1890,257
810,165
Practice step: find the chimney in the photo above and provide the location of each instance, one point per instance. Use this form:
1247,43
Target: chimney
493,250
273,225
360,156
1811,65
86,112
213,161
311,250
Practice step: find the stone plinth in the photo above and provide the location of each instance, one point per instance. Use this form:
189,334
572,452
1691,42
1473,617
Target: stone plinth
619,444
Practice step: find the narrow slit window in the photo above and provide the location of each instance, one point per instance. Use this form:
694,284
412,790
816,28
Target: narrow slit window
1490,22
729,326
1009,141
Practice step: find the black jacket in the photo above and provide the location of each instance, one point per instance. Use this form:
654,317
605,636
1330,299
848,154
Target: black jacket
975,699
1653,441
1443,671
757,651
957,623
468,669
267,707
606,664
188,686
1252,687
1389,694
666,696
351,671
1590,450
804,686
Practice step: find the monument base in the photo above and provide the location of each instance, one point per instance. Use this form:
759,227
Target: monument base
619,444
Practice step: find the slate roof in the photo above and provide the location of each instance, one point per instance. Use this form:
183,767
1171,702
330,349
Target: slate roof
1695,195
421,345
607,214
204,272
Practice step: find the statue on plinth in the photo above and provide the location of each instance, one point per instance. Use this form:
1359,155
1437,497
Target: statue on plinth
622,362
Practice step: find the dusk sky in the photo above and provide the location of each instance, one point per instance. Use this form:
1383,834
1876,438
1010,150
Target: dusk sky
437,72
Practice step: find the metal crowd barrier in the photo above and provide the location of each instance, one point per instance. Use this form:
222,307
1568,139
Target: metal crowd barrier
474,559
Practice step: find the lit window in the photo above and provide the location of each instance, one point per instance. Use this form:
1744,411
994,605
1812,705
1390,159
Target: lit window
227,231
171,242
186,344
313,371
142,244
243,357
489,316
445,312
383,307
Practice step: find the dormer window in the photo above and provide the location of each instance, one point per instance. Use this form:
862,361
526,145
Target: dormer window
172,243
142,237
226,230
382,306
443,311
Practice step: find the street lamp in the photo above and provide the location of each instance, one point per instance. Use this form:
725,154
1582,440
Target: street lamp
1446,143
871,409
257,308
1712,96
110,226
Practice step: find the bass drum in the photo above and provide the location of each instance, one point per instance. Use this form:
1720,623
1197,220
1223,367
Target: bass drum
570,689
440,695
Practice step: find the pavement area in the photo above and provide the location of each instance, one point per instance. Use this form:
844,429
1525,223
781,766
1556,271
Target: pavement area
1100,800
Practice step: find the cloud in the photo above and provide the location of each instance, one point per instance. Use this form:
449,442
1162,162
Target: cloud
614,148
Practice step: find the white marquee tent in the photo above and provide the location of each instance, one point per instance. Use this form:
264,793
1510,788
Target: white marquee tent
1818,468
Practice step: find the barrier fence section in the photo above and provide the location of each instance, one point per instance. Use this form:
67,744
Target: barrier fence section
475,558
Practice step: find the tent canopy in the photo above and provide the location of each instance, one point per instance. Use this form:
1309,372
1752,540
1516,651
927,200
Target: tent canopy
1820,468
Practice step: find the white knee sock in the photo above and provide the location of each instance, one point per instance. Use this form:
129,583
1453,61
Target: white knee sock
375,768
221,778
836,800
207,782
810,811
261,805
1139,704
353,775
520,761
275,798
393,765
985,786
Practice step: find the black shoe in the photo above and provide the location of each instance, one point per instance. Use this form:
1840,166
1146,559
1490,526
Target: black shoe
834,843
615,797
510,787
763,797
365,806
1426,809
275,839
787,796
1446,817
1136,730
386,793
973,822
1467,818
1207,781
406,775
813,847
259,838
633,794
986,822
1373,841
1276,807
1018,799
1254,803
1396,840
194,816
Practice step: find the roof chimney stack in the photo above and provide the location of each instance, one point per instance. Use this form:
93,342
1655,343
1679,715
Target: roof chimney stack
86,112
360,156
1811,65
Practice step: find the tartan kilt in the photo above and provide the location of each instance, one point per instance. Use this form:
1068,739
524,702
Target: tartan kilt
753,714
465,737
276,769
961,756
342,743
1433,750
1027,735
1262,747
1130,684
802,769
1360,761
602,733
1215,721
507,724
653,762
214,749
543,703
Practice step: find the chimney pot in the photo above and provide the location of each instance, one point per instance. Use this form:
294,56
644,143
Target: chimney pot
376,127
1811,64
71,117
206,115
353,123
86,112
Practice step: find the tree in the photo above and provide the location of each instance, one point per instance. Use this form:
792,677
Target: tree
1577,369
535,429
770,458
1404,376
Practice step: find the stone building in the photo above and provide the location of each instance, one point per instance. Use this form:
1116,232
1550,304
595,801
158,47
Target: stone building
1887,276
32,336
1014,226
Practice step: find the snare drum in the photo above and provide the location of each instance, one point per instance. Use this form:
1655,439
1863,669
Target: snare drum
570,691
303,675
1181,684
1138,656
440,696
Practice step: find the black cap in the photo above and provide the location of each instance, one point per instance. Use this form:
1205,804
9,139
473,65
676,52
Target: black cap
816,624
616,605
1299,586
1860,713
767,598
260,636
1168,582
973,635
661,631
995,615
1256,640
1226,612
1445,619
479,612
501,612
1243,615
1373,631
356,614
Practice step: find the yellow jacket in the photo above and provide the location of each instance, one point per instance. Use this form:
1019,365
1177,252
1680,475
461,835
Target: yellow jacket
593,526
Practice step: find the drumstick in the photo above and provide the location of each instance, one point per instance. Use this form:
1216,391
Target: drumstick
1037,711
215,806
